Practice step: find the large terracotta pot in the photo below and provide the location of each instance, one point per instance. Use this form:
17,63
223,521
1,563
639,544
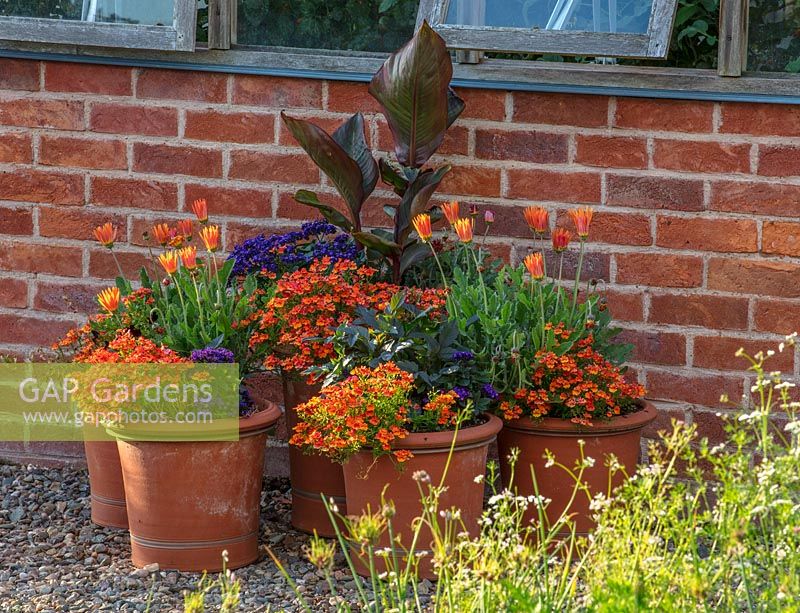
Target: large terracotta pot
312,475
105,482
620,436
188,501
367,480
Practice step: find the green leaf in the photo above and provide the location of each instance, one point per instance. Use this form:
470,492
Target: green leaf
415,200
309,198
381,245
350,135
392,177
414,255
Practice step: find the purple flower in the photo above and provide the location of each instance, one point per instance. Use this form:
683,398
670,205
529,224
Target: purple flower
213,355
462,392
490,392
463,356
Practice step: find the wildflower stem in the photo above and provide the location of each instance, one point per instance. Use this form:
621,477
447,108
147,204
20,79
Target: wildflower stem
578,276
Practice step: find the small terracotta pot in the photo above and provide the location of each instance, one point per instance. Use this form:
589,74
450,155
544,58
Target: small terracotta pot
105,482
312,475
620,436
367,480
188,501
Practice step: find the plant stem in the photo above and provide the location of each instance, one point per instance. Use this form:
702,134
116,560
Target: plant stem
577,278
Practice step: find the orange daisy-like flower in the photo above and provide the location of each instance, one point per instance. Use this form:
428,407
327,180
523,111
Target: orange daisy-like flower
106,235
450,210
162,233
561,238
537,218
169,260
464,228
210,237
422,224
186,228
534,262
581,218
200,209
109,299
189,257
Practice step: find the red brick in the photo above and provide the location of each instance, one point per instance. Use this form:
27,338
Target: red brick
716,312
103,266
700,156
596,266
659,270
232,201
719,353
653,347
773,198
70,297
778,161
16,221
40,186
16,148
277,92
667,115
619,229
471,181
663,422
278,167
32,330
166,159
237,232
767,119
347,97
289,208
611,151
140,225
32,113
541,147
30,257
624,306
655,192
489,104
781,238
136,193
701,389
87,78
577,187
83,153
456,141
230,127
561,109
19,74
721,235
78,222
778,316
133,119
182,85
13,293
748,276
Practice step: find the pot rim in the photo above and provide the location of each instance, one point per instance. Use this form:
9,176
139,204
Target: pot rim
556,426
473,436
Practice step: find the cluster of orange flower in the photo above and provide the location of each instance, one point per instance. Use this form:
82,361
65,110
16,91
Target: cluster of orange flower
126,348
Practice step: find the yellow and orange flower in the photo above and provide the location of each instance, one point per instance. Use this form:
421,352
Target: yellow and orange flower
169,260
210,237
537,218
109,299
189,257
422,224
200,209
465,228
534,262
450,210
582,218
186,229
162,233
106,234
561,238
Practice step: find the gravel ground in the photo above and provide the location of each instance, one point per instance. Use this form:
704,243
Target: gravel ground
52,558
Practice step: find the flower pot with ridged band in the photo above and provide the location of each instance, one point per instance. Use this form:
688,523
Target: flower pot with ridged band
105,484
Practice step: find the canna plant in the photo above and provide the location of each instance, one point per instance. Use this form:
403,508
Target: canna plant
413,89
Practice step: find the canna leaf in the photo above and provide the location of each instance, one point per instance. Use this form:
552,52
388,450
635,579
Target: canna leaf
350,136
309,198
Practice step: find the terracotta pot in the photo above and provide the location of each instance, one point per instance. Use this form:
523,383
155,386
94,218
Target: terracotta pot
188,501
620,436
312,475
367,479
105,482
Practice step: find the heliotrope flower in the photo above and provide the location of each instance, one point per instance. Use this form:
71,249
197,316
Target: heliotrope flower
463,356
213,355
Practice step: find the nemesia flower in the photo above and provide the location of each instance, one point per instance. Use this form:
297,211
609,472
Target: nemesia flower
488,216
106,235
200,209
581,218
109,299
561,238
210,237
189,257
537,218
169,260
162,233
464,228
186,228
534,262
450,210
422,224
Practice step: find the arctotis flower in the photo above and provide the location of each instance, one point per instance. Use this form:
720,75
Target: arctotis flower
200,209
162,233
189,257
210,237
534,262
186,228
106,235
422,224
169,261
582,218
464,228
109,299
537,218
450,210
561,238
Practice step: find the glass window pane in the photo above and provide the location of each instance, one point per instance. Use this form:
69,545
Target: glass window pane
147,12
359,25
774,41
628,16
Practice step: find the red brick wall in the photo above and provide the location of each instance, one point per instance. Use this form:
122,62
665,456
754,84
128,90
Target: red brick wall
697,203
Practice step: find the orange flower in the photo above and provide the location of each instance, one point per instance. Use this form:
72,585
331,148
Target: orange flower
106,235
200,208
189,257
186,228
210,237
581,218
169,260
422,224
464,228
534,262
162,233
109,299
561,238
537,218
450,210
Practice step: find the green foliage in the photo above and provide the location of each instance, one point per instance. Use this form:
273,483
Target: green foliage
774,44
225,587
56,9
695,35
